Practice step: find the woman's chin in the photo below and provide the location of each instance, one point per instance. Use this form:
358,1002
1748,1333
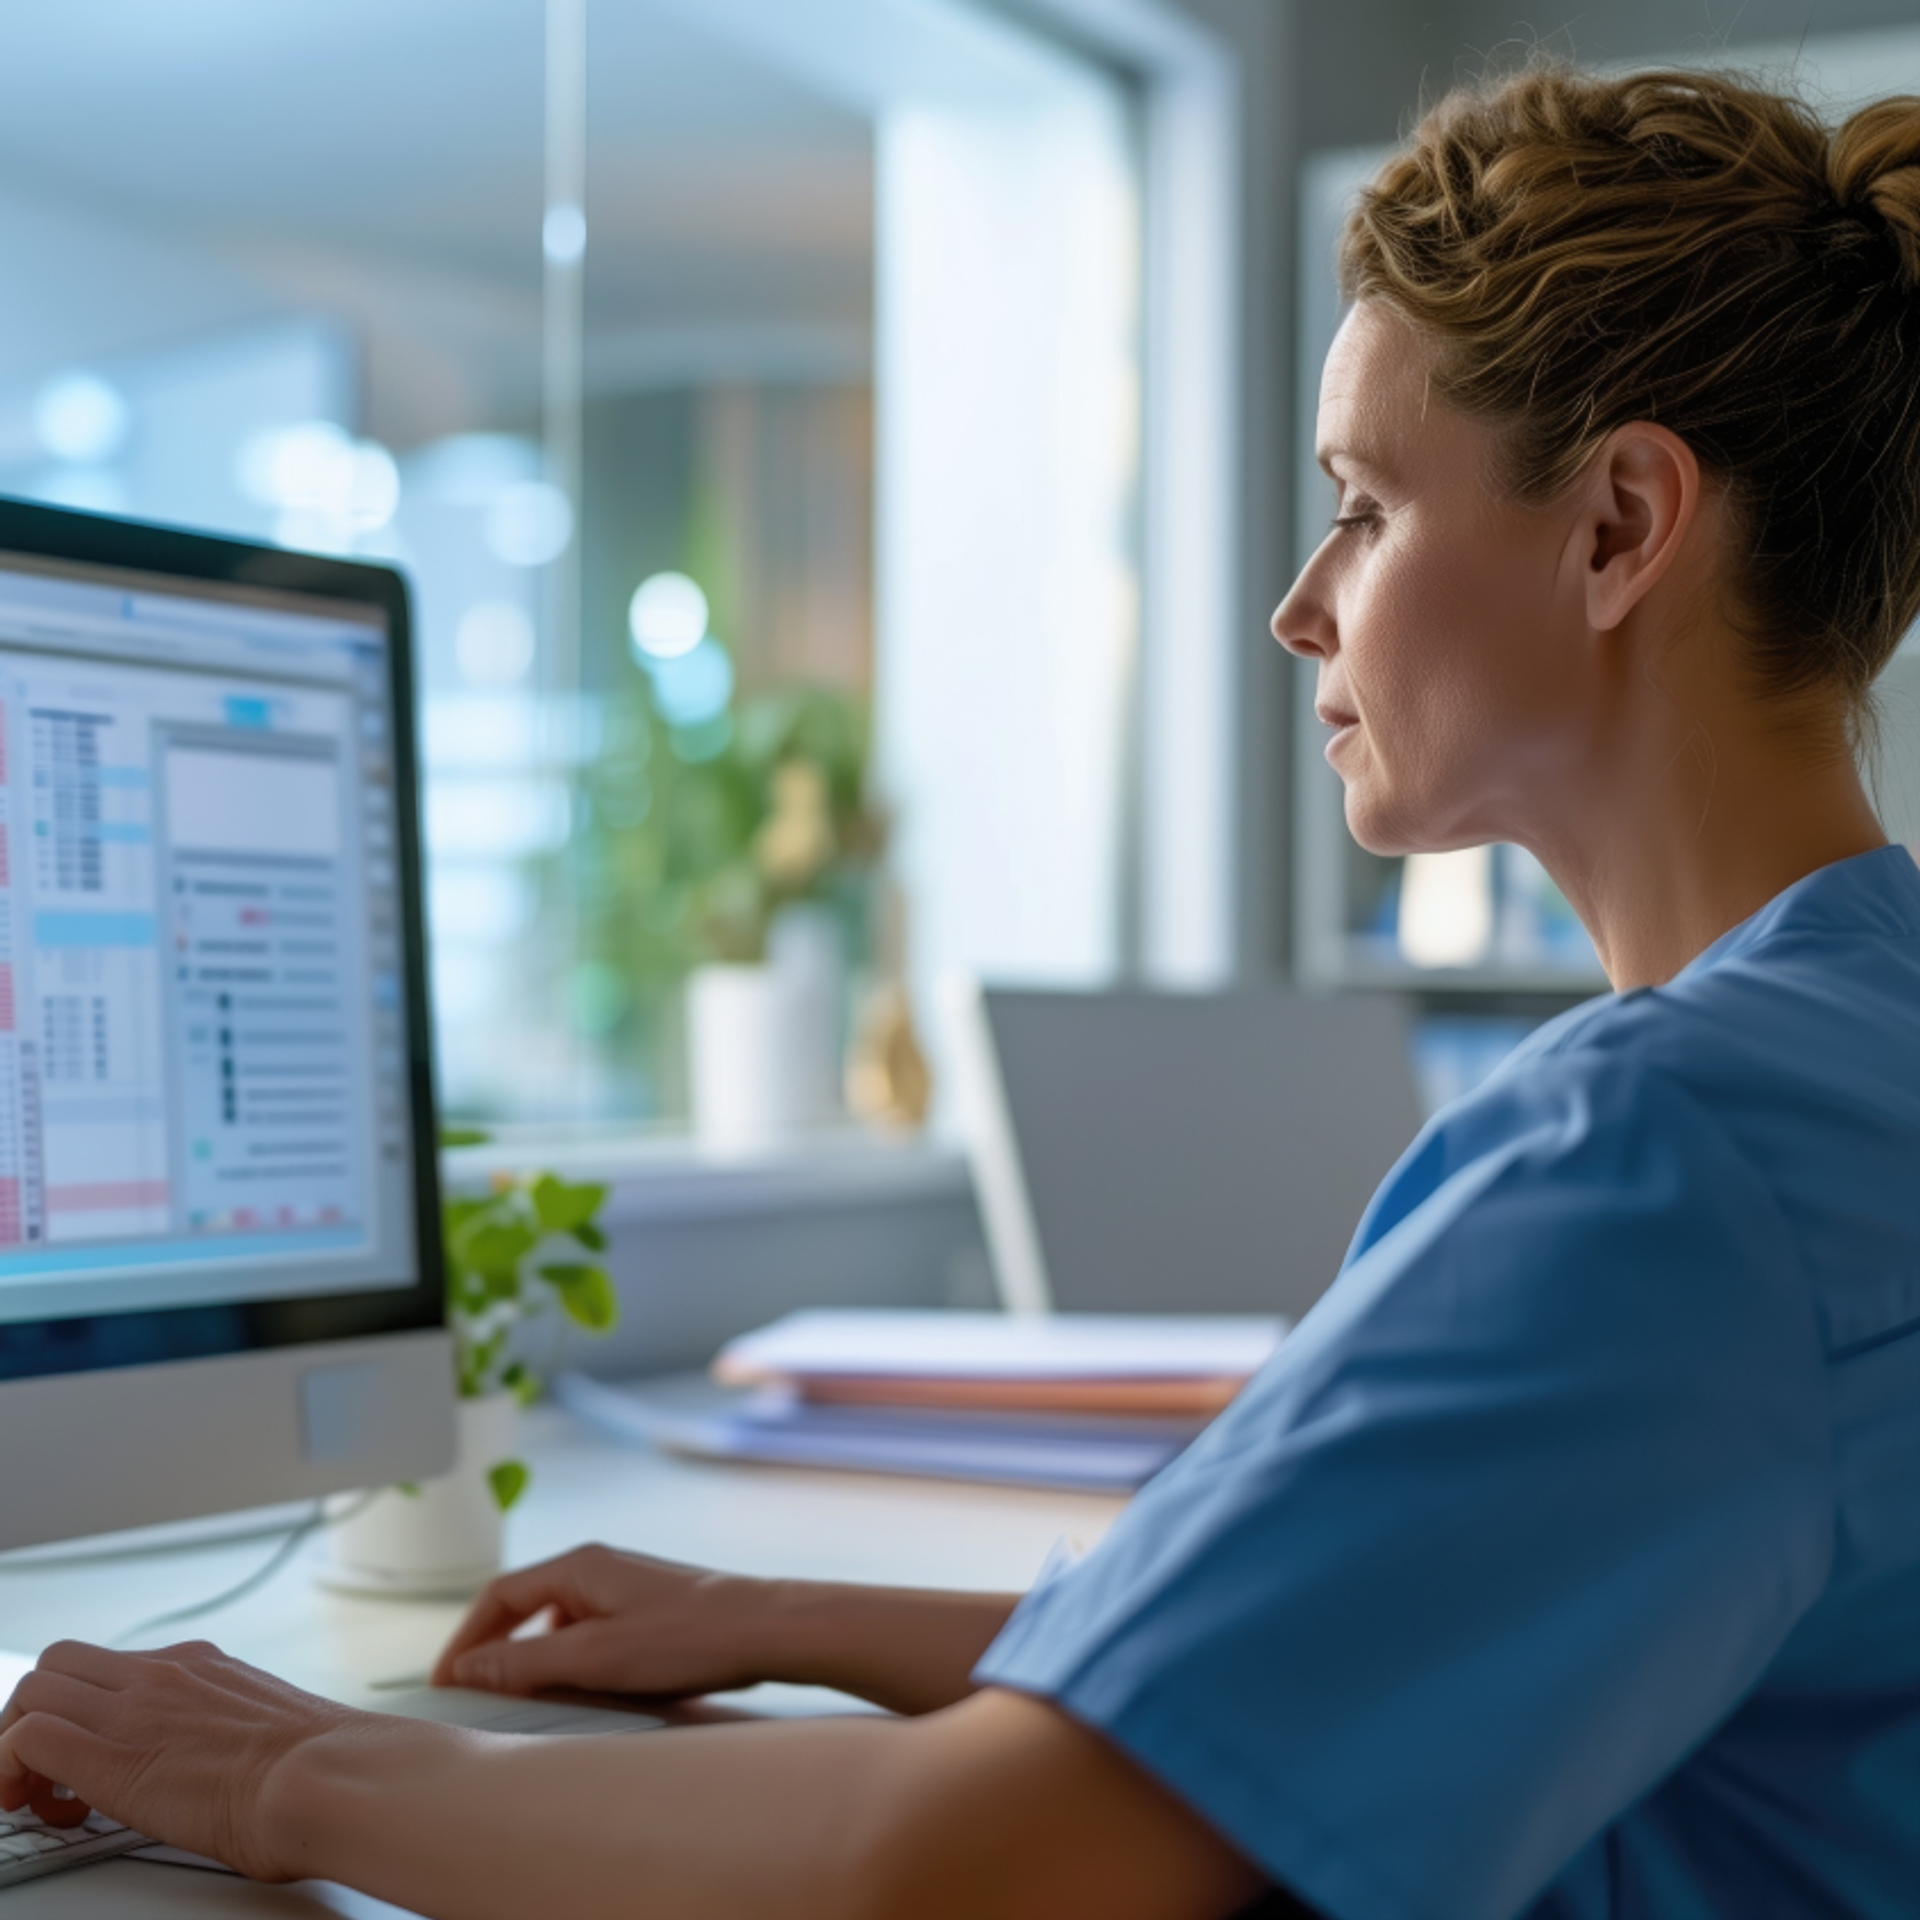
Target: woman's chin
1378,825
1387,819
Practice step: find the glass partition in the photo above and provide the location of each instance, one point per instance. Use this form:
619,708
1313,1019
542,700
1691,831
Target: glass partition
749,395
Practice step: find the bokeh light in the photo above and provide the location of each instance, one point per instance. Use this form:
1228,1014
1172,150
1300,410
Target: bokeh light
317,471
667,617
694,688
81,418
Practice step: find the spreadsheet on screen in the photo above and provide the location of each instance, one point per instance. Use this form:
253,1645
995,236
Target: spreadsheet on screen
202,1075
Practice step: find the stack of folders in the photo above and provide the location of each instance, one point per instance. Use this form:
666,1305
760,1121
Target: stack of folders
1098,1402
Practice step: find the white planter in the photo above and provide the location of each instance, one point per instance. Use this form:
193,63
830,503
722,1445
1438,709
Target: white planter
763,1049
440,1543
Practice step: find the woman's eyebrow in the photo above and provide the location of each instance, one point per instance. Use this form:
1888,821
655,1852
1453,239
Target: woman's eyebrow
1357,462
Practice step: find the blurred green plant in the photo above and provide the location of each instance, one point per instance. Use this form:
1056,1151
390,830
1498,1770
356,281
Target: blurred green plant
524,1249
690,840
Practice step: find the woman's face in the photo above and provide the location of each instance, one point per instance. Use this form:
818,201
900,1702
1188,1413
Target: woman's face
1445,619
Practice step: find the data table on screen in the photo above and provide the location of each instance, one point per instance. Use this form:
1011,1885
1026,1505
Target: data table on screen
199,1003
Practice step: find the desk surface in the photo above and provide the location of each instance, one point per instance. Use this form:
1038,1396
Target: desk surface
764,1520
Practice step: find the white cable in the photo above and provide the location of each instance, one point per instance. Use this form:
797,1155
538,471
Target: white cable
281,1554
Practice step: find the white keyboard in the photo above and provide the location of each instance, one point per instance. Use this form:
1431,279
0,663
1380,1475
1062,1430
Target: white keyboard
29,1847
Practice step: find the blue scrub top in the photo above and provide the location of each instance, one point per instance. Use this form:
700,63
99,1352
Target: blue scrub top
1565,1561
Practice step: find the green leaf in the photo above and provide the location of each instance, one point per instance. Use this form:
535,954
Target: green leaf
457,1136
522,1382
586,1294
495,1252
561,1207
590,1237
508,1481
411,1488
499,1243
462,1209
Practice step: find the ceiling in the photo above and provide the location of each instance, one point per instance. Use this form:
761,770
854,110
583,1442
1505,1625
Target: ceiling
169,171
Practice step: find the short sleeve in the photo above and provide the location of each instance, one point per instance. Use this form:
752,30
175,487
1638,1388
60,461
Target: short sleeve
1514,1518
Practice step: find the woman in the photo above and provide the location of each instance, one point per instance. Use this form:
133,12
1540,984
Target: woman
1566,1561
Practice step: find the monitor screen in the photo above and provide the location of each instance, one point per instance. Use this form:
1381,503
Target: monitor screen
211,1073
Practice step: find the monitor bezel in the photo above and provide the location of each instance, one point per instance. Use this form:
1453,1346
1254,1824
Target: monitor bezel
95,1343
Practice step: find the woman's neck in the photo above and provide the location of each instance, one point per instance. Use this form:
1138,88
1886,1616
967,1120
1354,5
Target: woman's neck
1673,844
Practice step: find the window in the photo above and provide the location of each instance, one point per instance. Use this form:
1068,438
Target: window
740,388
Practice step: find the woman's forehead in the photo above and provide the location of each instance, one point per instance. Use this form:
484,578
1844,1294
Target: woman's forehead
1377,408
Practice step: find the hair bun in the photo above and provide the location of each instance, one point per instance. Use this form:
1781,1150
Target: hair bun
1874,167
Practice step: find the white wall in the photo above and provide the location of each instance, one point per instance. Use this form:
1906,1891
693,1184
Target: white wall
1008,408
1008,400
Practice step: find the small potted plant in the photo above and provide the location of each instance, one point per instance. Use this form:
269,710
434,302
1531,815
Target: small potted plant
522,1251
724,882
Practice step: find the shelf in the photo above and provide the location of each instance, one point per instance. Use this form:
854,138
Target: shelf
1378,977
663,1176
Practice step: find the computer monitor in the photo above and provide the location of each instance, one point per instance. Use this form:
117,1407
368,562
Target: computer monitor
219,1273
1142,1152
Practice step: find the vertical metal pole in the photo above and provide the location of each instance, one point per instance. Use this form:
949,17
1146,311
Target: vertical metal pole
563,325
562,342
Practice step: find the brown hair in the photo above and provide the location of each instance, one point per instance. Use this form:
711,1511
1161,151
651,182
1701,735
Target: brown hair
1696,250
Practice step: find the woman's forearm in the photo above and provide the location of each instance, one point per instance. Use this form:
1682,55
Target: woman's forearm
999,1810
905,1649
762,1820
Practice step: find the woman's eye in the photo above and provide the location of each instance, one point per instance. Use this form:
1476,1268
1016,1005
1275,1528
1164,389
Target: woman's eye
1356,517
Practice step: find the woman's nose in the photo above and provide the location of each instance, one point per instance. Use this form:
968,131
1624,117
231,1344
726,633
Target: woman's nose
1301,622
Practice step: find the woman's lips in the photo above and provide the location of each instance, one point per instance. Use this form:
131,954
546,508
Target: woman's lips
1343,725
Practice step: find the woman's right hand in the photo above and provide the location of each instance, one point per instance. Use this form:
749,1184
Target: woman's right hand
619,1623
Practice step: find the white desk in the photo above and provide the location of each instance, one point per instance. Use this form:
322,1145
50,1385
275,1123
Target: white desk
765,1520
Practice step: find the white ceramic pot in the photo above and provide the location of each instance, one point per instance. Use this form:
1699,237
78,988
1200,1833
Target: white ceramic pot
441,1542
763,1052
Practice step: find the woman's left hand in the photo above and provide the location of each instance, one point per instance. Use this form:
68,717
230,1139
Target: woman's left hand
181,1744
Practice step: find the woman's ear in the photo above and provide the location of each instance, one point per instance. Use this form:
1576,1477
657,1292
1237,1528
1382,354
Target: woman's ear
1643,490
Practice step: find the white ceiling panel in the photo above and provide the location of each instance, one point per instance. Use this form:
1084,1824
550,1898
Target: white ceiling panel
210,159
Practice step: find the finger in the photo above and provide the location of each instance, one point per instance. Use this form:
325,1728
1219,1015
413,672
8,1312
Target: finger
45,1799
45,1689
59,1693
59,1806
507,1603
42,1749
574,1656
99,1666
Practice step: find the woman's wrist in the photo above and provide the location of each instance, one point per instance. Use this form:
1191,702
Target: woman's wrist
910,1651
318,1806
797,1632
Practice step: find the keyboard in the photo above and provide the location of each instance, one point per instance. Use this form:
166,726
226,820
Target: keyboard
29,1847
